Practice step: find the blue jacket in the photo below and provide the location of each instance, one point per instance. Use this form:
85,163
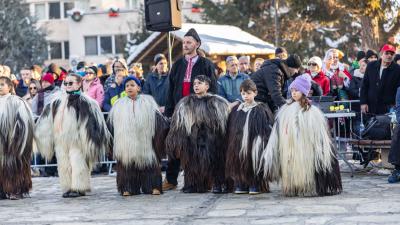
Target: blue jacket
229,88
157,86
397,108
113,93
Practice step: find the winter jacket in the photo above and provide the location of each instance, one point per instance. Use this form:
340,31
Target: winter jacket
323,81
270,80
21,89
94,90
157,86
380,93
398,105
109,81
229,87
113,93
203,66
43,98
355,85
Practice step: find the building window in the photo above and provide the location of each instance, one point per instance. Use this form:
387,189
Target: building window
40,11
120,43
106,45
66,50
91,45
55,50
131,4
54,10
67,6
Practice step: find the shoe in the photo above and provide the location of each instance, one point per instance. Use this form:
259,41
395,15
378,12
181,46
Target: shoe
82,193
188,190
126,193
156,192
217,189
74,194
394,177
168,186
254,191
241,190
14,197
66,194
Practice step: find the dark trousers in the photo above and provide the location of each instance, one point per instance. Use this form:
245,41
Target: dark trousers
394,154
173,171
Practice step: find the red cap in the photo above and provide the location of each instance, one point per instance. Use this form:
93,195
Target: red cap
49,78
388,48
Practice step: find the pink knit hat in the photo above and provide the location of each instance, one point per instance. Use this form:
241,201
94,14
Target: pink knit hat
302,83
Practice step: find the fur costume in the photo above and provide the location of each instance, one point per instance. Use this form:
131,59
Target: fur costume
16,138
139,131
249,128
74,128
196,136
300,153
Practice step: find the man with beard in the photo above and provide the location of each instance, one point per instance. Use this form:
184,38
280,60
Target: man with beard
181,78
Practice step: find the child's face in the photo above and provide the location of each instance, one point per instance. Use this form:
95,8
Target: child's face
248,96
132,89
296,95
4,88
200,87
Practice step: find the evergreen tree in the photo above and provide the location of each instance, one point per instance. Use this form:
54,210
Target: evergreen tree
21,42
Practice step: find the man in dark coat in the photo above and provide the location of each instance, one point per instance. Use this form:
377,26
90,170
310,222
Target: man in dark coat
181,78
380,82
271,77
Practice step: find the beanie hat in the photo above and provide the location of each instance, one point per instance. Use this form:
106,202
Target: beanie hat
293,61
80,65
94,68
371,53
280,50
360,55
49,78
129,78
158,58
317,60
193,33
302,83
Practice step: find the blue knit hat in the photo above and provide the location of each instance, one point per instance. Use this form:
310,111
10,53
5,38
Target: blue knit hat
302,83
128,78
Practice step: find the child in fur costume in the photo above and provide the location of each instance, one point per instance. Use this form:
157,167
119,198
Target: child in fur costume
249,127
139,131
16,139
74,128
197,133
299,151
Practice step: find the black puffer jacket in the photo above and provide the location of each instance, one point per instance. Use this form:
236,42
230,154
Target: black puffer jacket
270,80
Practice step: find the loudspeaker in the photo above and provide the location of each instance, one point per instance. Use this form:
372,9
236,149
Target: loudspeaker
163,15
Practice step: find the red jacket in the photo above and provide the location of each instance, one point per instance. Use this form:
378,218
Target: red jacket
323,81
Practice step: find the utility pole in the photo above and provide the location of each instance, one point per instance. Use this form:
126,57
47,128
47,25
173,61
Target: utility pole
276,9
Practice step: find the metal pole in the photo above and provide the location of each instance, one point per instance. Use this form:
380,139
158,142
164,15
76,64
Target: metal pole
169,50
276,7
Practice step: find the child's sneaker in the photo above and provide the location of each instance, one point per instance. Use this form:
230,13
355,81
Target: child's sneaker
241,190
394,177
254,191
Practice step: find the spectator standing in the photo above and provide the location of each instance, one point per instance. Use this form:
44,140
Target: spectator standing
157,82
317,75
34,88
229,84
380,83
23,84
92,86
46,95
244,64
281,53
257,64
371,55
120,65
116,89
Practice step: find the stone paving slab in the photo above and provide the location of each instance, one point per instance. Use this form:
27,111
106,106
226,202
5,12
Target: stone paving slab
366,199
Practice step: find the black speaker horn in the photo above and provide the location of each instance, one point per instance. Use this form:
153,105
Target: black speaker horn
163,15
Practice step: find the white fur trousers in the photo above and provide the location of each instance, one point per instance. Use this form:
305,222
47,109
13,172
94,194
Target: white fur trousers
73,170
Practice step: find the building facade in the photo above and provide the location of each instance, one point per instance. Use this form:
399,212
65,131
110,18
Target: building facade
92,30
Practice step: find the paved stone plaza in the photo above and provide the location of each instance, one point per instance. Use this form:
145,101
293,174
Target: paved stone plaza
367,199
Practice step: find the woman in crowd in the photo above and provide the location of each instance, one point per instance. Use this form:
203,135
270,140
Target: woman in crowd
34,87
92,86
315,71
116,89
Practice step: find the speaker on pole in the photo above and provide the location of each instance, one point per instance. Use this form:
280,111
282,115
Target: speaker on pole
163,15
